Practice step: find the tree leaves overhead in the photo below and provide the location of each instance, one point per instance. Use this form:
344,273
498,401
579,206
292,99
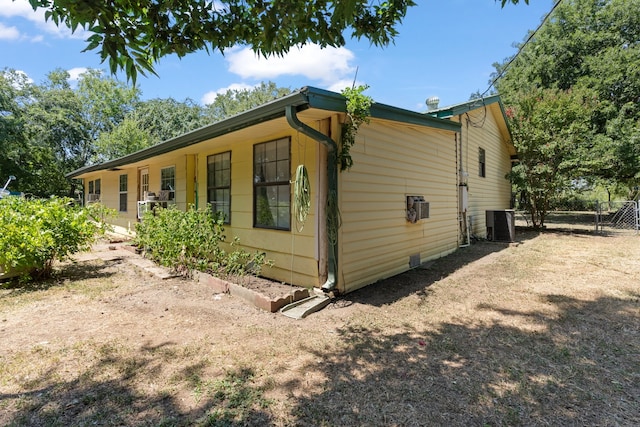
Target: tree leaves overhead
134,34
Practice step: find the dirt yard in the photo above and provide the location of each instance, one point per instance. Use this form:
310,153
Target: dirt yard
544,331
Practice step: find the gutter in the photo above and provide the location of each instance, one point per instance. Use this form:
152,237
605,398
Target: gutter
332,172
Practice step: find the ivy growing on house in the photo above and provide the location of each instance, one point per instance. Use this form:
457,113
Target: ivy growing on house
358,111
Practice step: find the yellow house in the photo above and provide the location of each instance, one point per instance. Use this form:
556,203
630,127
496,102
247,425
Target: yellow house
398,206
485,153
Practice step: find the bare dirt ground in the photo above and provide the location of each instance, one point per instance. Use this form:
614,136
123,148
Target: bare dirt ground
544,331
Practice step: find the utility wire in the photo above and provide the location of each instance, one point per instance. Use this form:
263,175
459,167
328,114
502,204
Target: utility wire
513,58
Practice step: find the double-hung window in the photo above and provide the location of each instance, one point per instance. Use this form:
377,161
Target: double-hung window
168,181
219,184
93,194
271,186
124,183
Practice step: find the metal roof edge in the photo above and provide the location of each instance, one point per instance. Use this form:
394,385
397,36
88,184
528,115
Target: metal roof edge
332,101
388,112
463,107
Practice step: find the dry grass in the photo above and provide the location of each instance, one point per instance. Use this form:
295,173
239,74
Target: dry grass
542,332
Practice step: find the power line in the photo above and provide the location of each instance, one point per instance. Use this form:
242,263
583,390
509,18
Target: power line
513,58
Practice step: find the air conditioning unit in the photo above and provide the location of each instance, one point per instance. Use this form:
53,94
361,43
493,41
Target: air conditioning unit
93,197
417,208
501,225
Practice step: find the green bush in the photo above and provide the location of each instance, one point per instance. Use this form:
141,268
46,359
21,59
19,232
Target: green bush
35,233
194,240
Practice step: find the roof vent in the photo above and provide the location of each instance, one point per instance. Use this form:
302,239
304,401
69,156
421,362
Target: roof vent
432,103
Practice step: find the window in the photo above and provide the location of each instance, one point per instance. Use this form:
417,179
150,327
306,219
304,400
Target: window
271,188
168,181
481,163
123,192
219,184
93,195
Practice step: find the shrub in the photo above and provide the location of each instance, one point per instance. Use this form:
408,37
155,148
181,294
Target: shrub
194,240
35,233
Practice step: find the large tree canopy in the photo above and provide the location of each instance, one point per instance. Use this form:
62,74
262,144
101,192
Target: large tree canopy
50,129
134,34
586,54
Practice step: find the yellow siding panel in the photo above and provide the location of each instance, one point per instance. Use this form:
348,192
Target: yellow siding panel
390,163
492,192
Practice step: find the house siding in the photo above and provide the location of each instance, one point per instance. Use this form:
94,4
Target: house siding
492,192
293,252
391,162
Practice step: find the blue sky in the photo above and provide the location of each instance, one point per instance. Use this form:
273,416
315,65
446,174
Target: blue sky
446,48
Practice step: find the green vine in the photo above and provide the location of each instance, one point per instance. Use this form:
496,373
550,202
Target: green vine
358,106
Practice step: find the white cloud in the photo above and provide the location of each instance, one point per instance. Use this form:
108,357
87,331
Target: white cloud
18,78
8,33
209,97
326,65
74,73
22,9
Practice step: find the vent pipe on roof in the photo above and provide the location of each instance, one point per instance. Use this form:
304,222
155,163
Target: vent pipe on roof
432,103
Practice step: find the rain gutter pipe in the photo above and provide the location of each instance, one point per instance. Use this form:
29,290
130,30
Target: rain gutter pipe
332,172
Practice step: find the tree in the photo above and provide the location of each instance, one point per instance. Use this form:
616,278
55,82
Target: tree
167,118
586,46
158,120
105,101
134,35
50,129
235,101
127,137
552,133
14,90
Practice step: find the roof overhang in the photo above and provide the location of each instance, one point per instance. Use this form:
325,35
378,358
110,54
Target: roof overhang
493,101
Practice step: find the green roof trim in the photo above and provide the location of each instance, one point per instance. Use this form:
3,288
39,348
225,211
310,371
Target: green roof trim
457,109
307,97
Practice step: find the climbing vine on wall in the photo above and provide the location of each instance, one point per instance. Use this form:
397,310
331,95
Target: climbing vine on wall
358,106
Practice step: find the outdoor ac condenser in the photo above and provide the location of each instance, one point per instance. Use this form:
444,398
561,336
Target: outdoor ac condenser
501,225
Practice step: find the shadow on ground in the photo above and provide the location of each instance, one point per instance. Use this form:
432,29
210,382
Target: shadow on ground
578,368
106,393
418,280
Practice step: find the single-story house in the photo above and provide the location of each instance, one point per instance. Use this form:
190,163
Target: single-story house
398,206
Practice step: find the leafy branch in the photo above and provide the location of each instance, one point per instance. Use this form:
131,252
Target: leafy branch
358,111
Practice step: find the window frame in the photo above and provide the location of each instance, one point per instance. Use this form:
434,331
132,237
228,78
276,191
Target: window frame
482,162
260,186
213,187
172,192
123,186
93,188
